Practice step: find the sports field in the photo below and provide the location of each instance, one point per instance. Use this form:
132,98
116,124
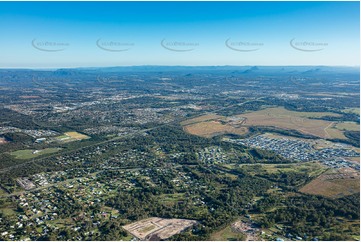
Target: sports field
71,136
28,154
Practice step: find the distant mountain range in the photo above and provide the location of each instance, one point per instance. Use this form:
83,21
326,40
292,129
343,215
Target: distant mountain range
236,70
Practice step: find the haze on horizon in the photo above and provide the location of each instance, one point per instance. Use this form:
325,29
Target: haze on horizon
98,34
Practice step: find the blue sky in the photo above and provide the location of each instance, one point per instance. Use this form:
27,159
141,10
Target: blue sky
74,34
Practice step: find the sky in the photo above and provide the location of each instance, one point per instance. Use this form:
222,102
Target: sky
95,34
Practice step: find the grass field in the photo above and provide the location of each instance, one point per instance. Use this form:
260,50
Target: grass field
171,199
309,168
71,136
312,169
282,112
351,126
281,118
211,125
334,185
352,110
76,135
203,118
28,154
335,130
2,192
8,211
213,128
227,234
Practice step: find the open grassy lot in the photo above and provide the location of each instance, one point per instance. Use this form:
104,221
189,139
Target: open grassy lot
227,234
282,112
352,110
281,118
334,185
28,154
334,133
203,118
8,211
335,130
76,135
213,128
71,136
171,199
351,126
312,169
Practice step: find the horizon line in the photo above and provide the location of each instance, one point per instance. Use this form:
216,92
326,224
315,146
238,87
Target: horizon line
115,66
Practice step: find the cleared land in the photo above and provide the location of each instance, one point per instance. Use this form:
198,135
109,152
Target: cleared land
158,228
335,130
28,154
213,128
71,136
203,118
3,141
334,185
237,231
76,135
211,125
228,233
171,199
312,169
25,183
300,121
351,126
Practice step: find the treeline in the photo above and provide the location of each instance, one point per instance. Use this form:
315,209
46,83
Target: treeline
354,137
289,132
237,109
320,105
312,216
16,119
287,180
